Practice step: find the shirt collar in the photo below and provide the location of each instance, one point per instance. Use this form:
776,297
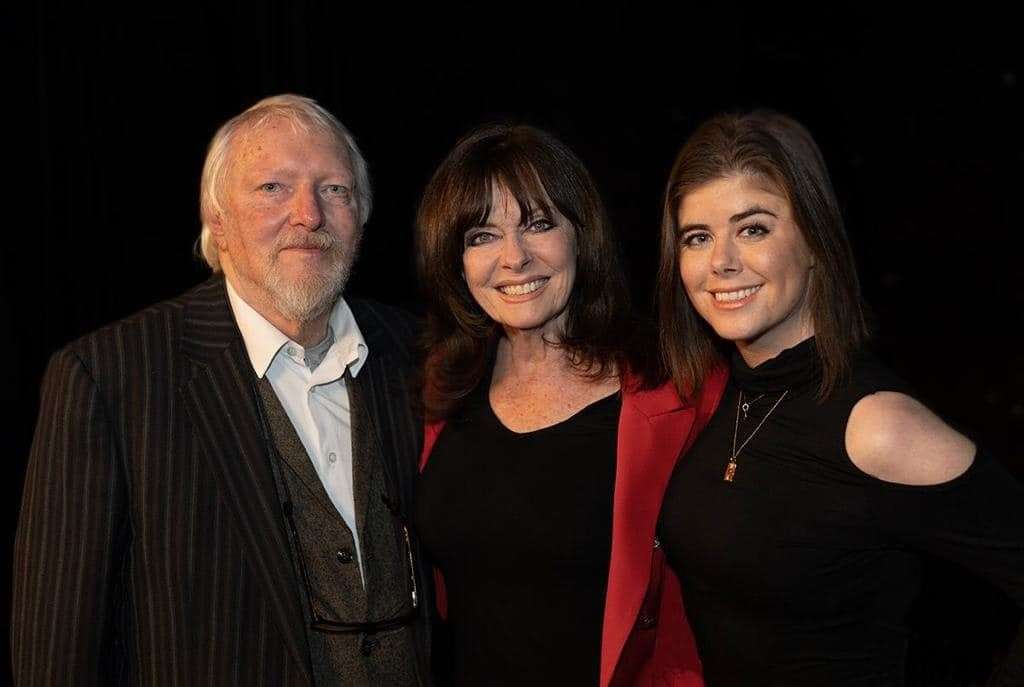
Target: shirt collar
263,341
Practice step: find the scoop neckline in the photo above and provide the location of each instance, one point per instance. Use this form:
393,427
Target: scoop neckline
587,409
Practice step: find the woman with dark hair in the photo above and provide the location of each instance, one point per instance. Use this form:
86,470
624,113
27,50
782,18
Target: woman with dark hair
548,442
801,516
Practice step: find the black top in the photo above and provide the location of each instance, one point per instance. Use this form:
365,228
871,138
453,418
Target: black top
520,526
802,569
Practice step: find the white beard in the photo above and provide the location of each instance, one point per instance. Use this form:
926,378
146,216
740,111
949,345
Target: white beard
307,298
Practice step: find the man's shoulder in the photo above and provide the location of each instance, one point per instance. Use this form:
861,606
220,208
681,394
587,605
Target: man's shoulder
386,328
158,325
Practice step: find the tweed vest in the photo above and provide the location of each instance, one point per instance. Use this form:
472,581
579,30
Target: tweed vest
327,548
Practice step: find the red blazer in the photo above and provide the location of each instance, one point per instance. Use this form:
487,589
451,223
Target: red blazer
646,639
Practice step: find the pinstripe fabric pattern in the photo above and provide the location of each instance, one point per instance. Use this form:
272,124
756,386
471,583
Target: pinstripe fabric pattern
151,547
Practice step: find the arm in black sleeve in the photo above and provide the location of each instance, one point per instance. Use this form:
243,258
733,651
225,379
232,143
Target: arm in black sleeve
70,536
975,520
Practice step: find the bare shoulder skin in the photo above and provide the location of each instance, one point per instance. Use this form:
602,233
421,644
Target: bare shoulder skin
895,438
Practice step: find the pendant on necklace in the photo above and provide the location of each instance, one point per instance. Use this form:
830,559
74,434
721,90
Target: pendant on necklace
730,470
746,409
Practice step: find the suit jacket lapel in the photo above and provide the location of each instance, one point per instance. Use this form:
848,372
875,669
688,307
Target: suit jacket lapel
221,402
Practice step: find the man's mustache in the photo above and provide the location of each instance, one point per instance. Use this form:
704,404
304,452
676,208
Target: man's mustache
319,240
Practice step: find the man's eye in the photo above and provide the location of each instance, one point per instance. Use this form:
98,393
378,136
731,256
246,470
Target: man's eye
270,187
337,190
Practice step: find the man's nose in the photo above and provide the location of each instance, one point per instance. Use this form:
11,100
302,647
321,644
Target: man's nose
305,209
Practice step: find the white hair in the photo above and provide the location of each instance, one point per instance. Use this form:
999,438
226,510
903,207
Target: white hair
300,111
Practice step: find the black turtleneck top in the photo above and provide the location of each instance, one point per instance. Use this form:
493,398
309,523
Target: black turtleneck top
802,569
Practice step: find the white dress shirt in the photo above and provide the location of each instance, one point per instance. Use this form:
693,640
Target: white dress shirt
316,401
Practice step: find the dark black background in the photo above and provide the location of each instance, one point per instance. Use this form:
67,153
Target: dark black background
109,112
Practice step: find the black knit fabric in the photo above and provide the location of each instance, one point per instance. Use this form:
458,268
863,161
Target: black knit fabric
801,570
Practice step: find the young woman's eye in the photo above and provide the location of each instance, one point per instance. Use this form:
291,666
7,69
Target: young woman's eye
695,239
754,230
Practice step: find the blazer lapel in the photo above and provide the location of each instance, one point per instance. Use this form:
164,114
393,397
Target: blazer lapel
221,403
653,427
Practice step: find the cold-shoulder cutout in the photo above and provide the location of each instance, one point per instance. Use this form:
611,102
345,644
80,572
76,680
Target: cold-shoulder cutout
895,438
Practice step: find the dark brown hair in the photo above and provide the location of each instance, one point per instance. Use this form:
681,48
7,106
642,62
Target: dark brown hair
780,149
538,171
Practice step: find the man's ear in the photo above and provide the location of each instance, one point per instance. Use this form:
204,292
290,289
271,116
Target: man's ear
216,224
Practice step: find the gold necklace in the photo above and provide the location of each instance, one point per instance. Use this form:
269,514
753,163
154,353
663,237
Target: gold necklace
730,467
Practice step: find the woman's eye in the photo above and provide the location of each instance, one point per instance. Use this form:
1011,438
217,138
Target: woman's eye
695,239
541,224
754,230
479,238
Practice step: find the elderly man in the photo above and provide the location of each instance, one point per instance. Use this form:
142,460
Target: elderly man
217,485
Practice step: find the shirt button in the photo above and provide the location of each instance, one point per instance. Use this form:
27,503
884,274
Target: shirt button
333,457
344,556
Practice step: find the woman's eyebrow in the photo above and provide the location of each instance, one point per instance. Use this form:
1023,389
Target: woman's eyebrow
755,210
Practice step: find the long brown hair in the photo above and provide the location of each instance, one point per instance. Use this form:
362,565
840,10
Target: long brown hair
774,146
537,170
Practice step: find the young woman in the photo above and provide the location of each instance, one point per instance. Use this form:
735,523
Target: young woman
800,519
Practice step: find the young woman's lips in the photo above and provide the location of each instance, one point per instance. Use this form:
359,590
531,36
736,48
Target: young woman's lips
736,298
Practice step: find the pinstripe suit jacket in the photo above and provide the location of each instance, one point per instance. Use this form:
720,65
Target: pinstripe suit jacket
151,548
